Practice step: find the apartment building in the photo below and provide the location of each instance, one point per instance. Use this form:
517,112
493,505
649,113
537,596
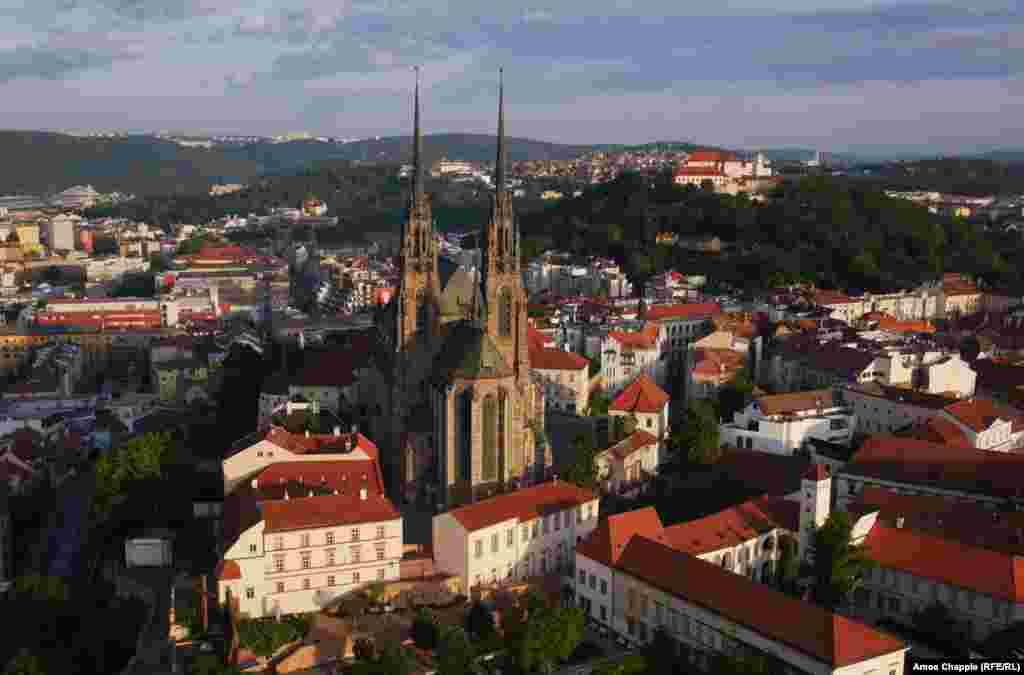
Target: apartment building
646,401
881,408
565,377
679,325
625,466
625,355
783,423
514,536
303,534
922,304
631,578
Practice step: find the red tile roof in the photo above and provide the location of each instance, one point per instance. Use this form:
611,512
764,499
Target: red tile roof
909,460
608,540
646,338
638,440
771,474
315,444
711,156
731,527
699,171
941,430
796,402
978,414
951,562
826,637
327,511
643,395
525,504
556,359
959,520
228,570
826,298
689,311
343,475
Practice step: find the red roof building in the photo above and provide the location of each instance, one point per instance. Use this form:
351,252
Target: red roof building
642,396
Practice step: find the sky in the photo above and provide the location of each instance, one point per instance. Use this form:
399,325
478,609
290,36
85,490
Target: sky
840,75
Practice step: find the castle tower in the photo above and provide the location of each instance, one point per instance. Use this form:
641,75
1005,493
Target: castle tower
504,308
815,504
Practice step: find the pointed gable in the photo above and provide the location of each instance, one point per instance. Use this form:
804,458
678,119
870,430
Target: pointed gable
608,540
642,396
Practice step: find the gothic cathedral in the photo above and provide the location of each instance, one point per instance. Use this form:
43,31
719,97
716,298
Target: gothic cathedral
467,414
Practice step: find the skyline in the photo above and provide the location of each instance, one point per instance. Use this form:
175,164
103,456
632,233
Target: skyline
844,76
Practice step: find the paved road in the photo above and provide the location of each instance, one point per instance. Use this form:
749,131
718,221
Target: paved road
68,526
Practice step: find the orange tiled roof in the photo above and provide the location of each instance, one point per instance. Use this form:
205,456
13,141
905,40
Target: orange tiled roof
990,572
645,338
632,443
731,527
825,637
800,401
342,475
643,395
556,359
692,311
711,156
909,460
608,540
316,444
525,504
228,570
978,414
306,513
771,474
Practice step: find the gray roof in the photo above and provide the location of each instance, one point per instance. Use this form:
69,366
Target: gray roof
468,352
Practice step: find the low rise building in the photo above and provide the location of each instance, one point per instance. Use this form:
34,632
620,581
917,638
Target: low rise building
565,377
625,467
783,423
514,536
625,355
647,402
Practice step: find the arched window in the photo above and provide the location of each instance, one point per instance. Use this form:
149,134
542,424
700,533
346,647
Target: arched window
489,456
464,435
421,311
502,434
504,313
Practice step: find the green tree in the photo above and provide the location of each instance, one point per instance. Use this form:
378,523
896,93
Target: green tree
696,441
425,632
27,662
455,654
139,460
210,664
542,636
583,470
599,404
788,567
837,565
740,664
734,396
480,622
394,660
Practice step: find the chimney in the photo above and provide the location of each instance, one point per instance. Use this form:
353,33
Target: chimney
286,497
307,433
899,522
337,430
362,494
255,483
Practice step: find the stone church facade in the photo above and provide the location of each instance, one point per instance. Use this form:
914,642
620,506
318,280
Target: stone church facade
461,376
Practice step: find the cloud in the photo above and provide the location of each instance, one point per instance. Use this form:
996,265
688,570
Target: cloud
51,63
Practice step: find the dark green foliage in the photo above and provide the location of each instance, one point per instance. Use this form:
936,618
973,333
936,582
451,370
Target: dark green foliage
479,622
425,631
542,636
265,636
696,441
837,565
140,460
788,566
583,469
734,396
455,653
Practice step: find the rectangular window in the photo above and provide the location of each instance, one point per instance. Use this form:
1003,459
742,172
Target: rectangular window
280,587
355,577
329,538
355,534
593,582
279,563
305,584
659,614
252,548
305,560
604,613
526,532
604,587
278,543
546,523
305,541
479,548
354,554
380,531
330,556
494,543
380,573
558,521
250,592
380,552
510,538
330,580
579,515
583,576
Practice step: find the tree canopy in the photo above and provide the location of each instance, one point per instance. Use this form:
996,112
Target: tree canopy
139,460
540,636
583,469
696,441
455,653
837,565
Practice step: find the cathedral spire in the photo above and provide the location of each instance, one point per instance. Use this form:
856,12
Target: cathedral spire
417,144
499,164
